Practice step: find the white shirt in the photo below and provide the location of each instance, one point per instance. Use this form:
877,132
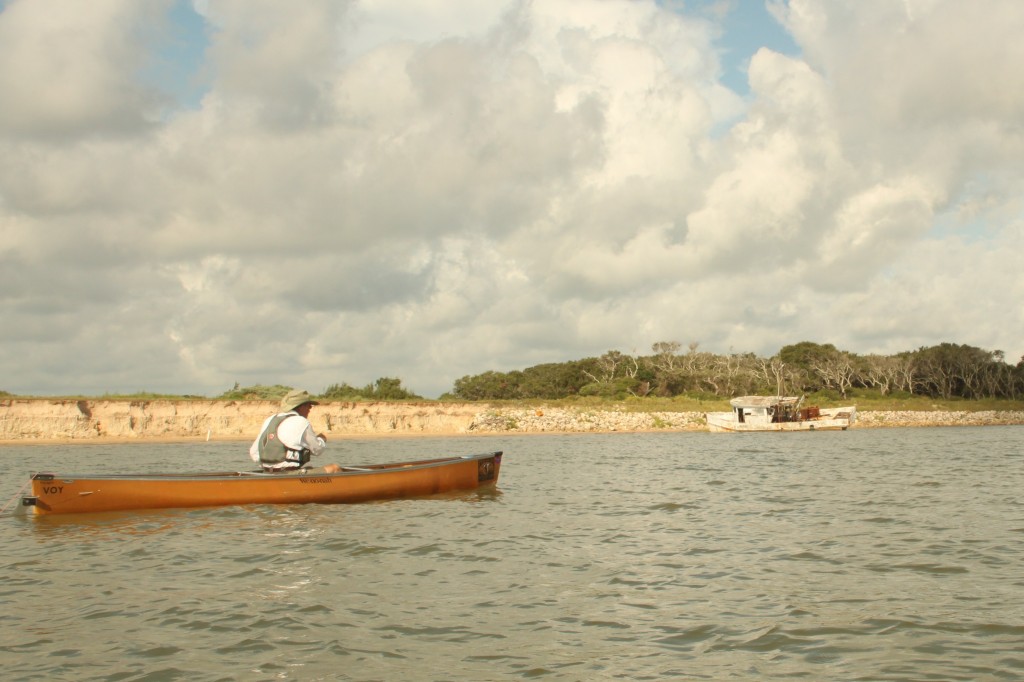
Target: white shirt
295,433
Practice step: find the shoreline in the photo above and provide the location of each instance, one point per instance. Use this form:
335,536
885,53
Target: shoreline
74,422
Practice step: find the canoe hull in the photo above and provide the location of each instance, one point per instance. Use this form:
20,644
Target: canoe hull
67,494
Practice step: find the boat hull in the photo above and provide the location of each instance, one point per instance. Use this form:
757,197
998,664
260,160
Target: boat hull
834,419
68,494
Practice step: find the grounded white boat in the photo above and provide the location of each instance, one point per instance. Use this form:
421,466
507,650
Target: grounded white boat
779,413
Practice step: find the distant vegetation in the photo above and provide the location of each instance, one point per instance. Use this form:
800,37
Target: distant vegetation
946,371
140,396
257,392
671,378
385,388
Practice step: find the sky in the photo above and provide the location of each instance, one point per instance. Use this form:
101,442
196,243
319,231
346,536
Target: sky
199,193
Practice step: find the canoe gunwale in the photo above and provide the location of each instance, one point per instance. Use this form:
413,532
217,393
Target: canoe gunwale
362,470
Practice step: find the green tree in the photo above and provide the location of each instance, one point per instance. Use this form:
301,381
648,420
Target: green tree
487,386
257,392
950,370
390,388
385,388
342,391
554,380
805,360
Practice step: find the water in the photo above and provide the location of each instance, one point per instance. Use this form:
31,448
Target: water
890,554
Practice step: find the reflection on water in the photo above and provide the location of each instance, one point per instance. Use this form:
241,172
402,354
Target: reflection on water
888,554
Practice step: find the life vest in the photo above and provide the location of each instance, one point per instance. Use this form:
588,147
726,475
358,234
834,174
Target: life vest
273,451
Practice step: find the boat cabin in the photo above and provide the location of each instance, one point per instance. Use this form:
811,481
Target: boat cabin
770,409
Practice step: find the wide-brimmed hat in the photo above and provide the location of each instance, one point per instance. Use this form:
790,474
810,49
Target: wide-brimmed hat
295,399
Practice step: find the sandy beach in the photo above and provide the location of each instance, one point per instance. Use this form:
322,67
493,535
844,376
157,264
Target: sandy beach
89,421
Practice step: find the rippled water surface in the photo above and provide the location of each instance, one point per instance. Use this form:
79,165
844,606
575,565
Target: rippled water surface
890,554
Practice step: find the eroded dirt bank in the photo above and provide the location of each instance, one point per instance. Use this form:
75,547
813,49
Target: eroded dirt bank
47,420
39,419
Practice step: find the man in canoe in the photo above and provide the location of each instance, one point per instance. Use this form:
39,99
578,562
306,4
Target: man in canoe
287,441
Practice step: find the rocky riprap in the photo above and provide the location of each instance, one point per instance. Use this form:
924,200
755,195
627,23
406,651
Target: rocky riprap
882,418
560,420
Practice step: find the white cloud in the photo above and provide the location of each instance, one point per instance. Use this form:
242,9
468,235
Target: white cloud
274,63
376,23
428,190
67,72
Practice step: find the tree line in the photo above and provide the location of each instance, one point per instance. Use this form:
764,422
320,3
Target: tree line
945,371
384,388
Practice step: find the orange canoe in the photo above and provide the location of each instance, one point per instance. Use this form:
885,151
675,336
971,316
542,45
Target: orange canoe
67,494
